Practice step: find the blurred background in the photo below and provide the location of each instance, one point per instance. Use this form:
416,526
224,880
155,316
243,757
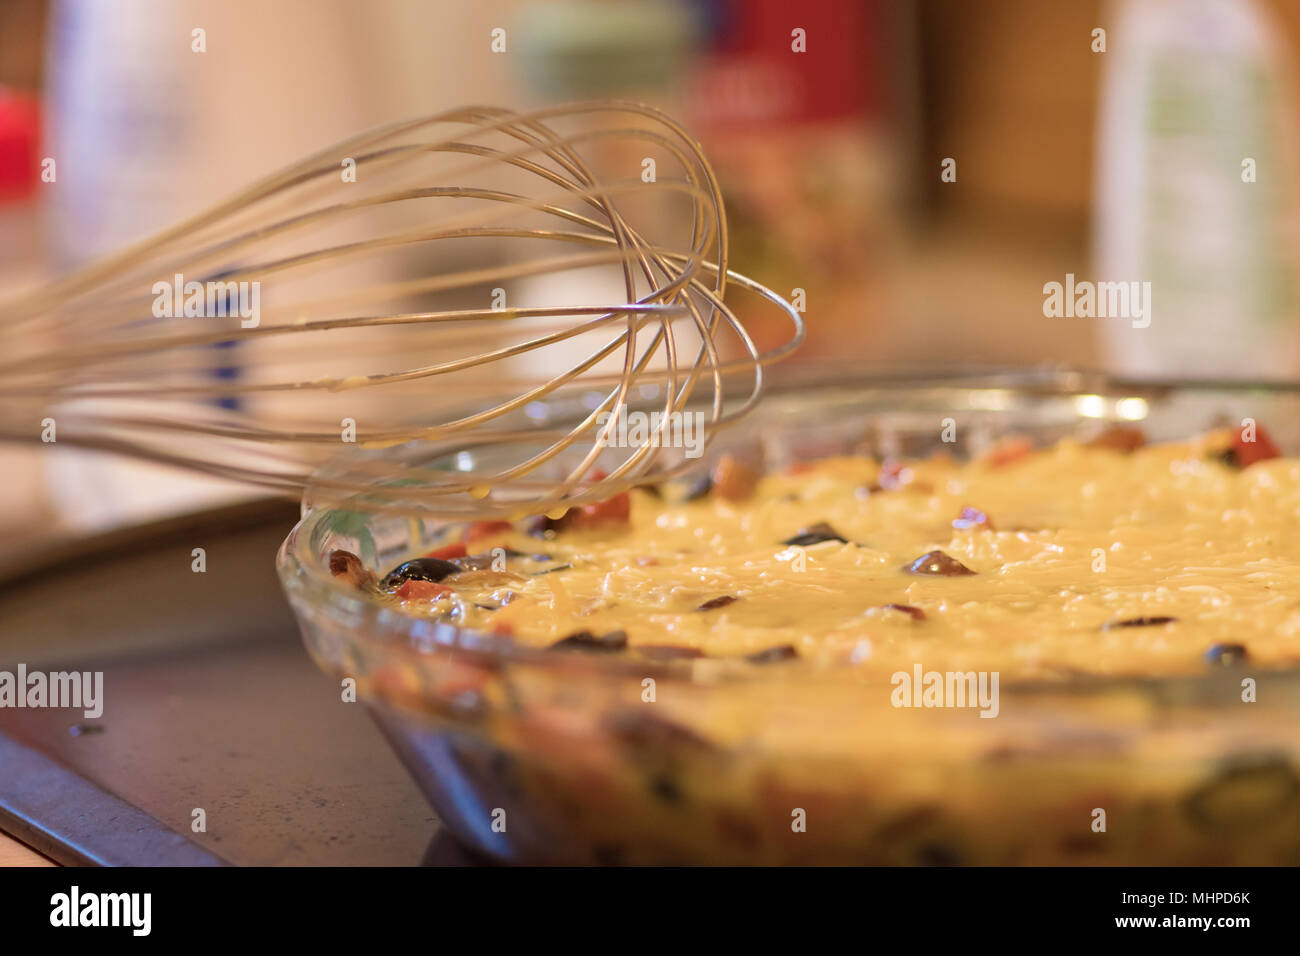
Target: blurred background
919,168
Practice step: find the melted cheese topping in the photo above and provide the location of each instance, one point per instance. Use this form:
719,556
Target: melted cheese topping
1085,537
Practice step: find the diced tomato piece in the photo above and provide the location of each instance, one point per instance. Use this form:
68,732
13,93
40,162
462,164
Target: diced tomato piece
1008,451
397,684
413,590
1262,448
1121,438
456,678
613,510
617,509
893,475
447,552
485,529
503,629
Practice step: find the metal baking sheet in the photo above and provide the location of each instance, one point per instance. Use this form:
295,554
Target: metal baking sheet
210,702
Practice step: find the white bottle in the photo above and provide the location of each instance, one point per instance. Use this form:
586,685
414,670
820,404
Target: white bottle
157,111
1196,191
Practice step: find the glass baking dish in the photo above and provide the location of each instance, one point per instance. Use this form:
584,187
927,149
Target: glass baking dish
531,756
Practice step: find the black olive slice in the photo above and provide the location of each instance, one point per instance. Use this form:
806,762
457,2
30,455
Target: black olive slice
1227,655
936,563
914,612
422,569
1139,622
770,655
669,652
815,534
717,602
699,488
644,733
587,641
1244,795
665,787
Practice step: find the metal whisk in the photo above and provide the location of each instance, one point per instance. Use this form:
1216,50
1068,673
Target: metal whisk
261,338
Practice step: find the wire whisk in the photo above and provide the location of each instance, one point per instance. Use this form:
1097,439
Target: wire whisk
430,281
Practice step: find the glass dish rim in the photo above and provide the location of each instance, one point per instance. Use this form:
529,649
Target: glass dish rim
373,624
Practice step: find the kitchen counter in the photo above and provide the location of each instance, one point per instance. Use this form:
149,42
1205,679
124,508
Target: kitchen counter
13,853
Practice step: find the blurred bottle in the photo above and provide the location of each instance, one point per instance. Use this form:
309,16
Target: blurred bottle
794,105
20,260
23,506
578,50
1196,190
147,128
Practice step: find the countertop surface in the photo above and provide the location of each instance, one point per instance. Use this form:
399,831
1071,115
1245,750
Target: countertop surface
13,853
209,701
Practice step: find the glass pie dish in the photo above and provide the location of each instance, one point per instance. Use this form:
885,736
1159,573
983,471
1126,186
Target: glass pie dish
533,756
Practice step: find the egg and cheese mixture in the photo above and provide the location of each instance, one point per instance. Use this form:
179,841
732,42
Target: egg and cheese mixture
1106,558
